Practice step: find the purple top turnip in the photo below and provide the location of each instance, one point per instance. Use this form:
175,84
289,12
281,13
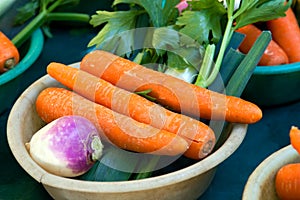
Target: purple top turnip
68,146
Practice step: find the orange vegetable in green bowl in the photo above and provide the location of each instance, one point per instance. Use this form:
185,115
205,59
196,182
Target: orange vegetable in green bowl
276,80
9,55
10,84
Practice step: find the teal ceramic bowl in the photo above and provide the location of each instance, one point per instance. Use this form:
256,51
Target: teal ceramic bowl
274,85
10,81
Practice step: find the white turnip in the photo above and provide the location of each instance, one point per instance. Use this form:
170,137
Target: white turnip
68,146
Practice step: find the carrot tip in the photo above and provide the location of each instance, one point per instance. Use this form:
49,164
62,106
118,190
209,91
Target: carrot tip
295,138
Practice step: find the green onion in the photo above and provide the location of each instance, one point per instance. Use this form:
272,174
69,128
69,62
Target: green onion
236,84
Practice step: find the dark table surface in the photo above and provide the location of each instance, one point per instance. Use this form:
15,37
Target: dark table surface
69,45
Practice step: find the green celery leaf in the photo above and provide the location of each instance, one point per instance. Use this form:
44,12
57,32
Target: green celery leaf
191,55
111,35
176,61
26,12
182,51
161,12
165,39
252,11
204,25
207,4
187,41
144,57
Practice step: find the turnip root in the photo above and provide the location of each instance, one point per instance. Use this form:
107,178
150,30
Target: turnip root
68,146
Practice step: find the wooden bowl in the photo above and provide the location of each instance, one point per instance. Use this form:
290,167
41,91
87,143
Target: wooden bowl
261,183
187,183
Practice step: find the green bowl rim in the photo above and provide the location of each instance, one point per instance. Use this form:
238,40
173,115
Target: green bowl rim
35,49
280,69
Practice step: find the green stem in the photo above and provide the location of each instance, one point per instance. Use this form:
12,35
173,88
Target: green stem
54,6
68,17
42,17
231,8
26,32
227,35
138,58
226,39
154,58
206,65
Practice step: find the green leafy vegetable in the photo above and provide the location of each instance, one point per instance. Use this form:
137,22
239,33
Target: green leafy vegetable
114,26
170,39
161,12
187,74
241,17
252,11
203,21
26,12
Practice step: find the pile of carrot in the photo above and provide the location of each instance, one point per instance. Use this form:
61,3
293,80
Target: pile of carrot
199,136
53,103
103,91
283,48
287,180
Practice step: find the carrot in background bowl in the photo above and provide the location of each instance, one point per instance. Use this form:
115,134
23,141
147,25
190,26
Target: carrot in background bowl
10,81
274,85
9,55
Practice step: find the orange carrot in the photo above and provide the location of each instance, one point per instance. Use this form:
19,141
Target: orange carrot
9,54
273,55
295,138
116,128
177,94
286,32
287,182
200,136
